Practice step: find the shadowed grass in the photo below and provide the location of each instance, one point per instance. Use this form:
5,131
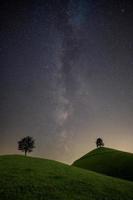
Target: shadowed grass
108,161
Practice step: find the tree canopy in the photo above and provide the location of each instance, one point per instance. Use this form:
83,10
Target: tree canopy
99,142
26,144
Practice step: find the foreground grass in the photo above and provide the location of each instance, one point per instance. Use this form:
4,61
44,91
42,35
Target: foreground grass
108,161
28,178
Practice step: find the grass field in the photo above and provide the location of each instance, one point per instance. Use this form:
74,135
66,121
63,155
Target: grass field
108,161
25,178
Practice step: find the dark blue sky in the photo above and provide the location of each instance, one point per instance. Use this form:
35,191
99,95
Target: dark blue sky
66,75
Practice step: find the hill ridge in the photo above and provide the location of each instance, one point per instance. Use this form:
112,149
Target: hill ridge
89,154
108,161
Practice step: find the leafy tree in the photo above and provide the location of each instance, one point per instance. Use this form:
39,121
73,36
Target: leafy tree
26,144
99,142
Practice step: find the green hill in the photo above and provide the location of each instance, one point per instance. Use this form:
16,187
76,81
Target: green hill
25,178
108,161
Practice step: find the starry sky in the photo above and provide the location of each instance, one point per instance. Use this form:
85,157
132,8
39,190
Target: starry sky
66,75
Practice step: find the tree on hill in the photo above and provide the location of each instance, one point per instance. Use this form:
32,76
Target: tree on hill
26,144
99,142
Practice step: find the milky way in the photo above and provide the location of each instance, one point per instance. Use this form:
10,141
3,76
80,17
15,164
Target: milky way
66,76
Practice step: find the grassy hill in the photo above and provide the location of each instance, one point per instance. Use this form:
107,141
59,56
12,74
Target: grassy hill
108,161
25,178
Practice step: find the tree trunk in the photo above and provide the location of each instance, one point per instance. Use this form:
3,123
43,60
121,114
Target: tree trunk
25,153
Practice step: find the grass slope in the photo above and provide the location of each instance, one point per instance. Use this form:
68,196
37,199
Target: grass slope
25,178
108,161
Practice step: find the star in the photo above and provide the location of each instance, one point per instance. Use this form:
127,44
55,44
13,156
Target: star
123,10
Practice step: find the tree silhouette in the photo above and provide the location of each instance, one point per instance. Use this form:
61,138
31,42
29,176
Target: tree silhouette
26,144
99,142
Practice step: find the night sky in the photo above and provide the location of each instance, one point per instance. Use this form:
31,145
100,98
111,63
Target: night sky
66,75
